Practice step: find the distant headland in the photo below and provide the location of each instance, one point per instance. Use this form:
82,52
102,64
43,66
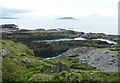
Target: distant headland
51,34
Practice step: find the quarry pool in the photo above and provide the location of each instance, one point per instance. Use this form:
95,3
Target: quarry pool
46,54
53,53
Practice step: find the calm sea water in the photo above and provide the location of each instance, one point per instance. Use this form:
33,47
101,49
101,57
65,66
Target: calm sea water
102,25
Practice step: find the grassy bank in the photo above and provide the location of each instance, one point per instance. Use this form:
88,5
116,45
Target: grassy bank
20,64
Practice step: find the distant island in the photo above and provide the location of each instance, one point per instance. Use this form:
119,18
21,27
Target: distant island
67,18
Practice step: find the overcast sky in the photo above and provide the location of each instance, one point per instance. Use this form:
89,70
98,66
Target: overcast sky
46,8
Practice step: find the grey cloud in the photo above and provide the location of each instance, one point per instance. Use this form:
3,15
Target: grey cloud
94,15
6,13
8,18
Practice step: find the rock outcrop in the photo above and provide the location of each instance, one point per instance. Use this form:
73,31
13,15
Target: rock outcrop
23,54
26,61
103,59
115,38
61,67
58,67
5,52
77,51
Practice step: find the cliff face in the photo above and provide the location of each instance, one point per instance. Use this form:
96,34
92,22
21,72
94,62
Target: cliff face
115,38
30,36
52,49
37,35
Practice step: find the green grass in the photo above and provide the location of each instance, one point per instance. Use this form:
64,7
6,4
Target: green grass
37,69
82,66
16,48
17,70
114,49
41,77
12,71
68,60
108,76
67,76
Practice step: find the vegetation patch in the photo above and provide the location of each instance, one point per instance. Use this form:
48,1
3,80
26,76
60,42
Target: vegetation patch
82,67
114,49
64,68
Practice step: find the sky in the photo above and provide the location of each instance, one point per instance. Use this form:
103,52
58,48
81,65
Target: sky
13,9
92,15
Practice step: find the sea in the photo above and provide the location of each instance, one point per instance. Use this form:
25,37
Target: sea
94,25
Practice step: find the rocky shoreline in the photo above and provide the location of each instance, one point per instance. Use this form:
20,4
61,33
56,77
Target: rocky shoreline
42,34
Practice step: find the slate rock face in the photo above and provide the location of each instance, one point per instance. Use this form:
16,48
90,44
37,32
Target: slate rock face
93,35
102,59
115,38
77,51
61,67
58,67
47,69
